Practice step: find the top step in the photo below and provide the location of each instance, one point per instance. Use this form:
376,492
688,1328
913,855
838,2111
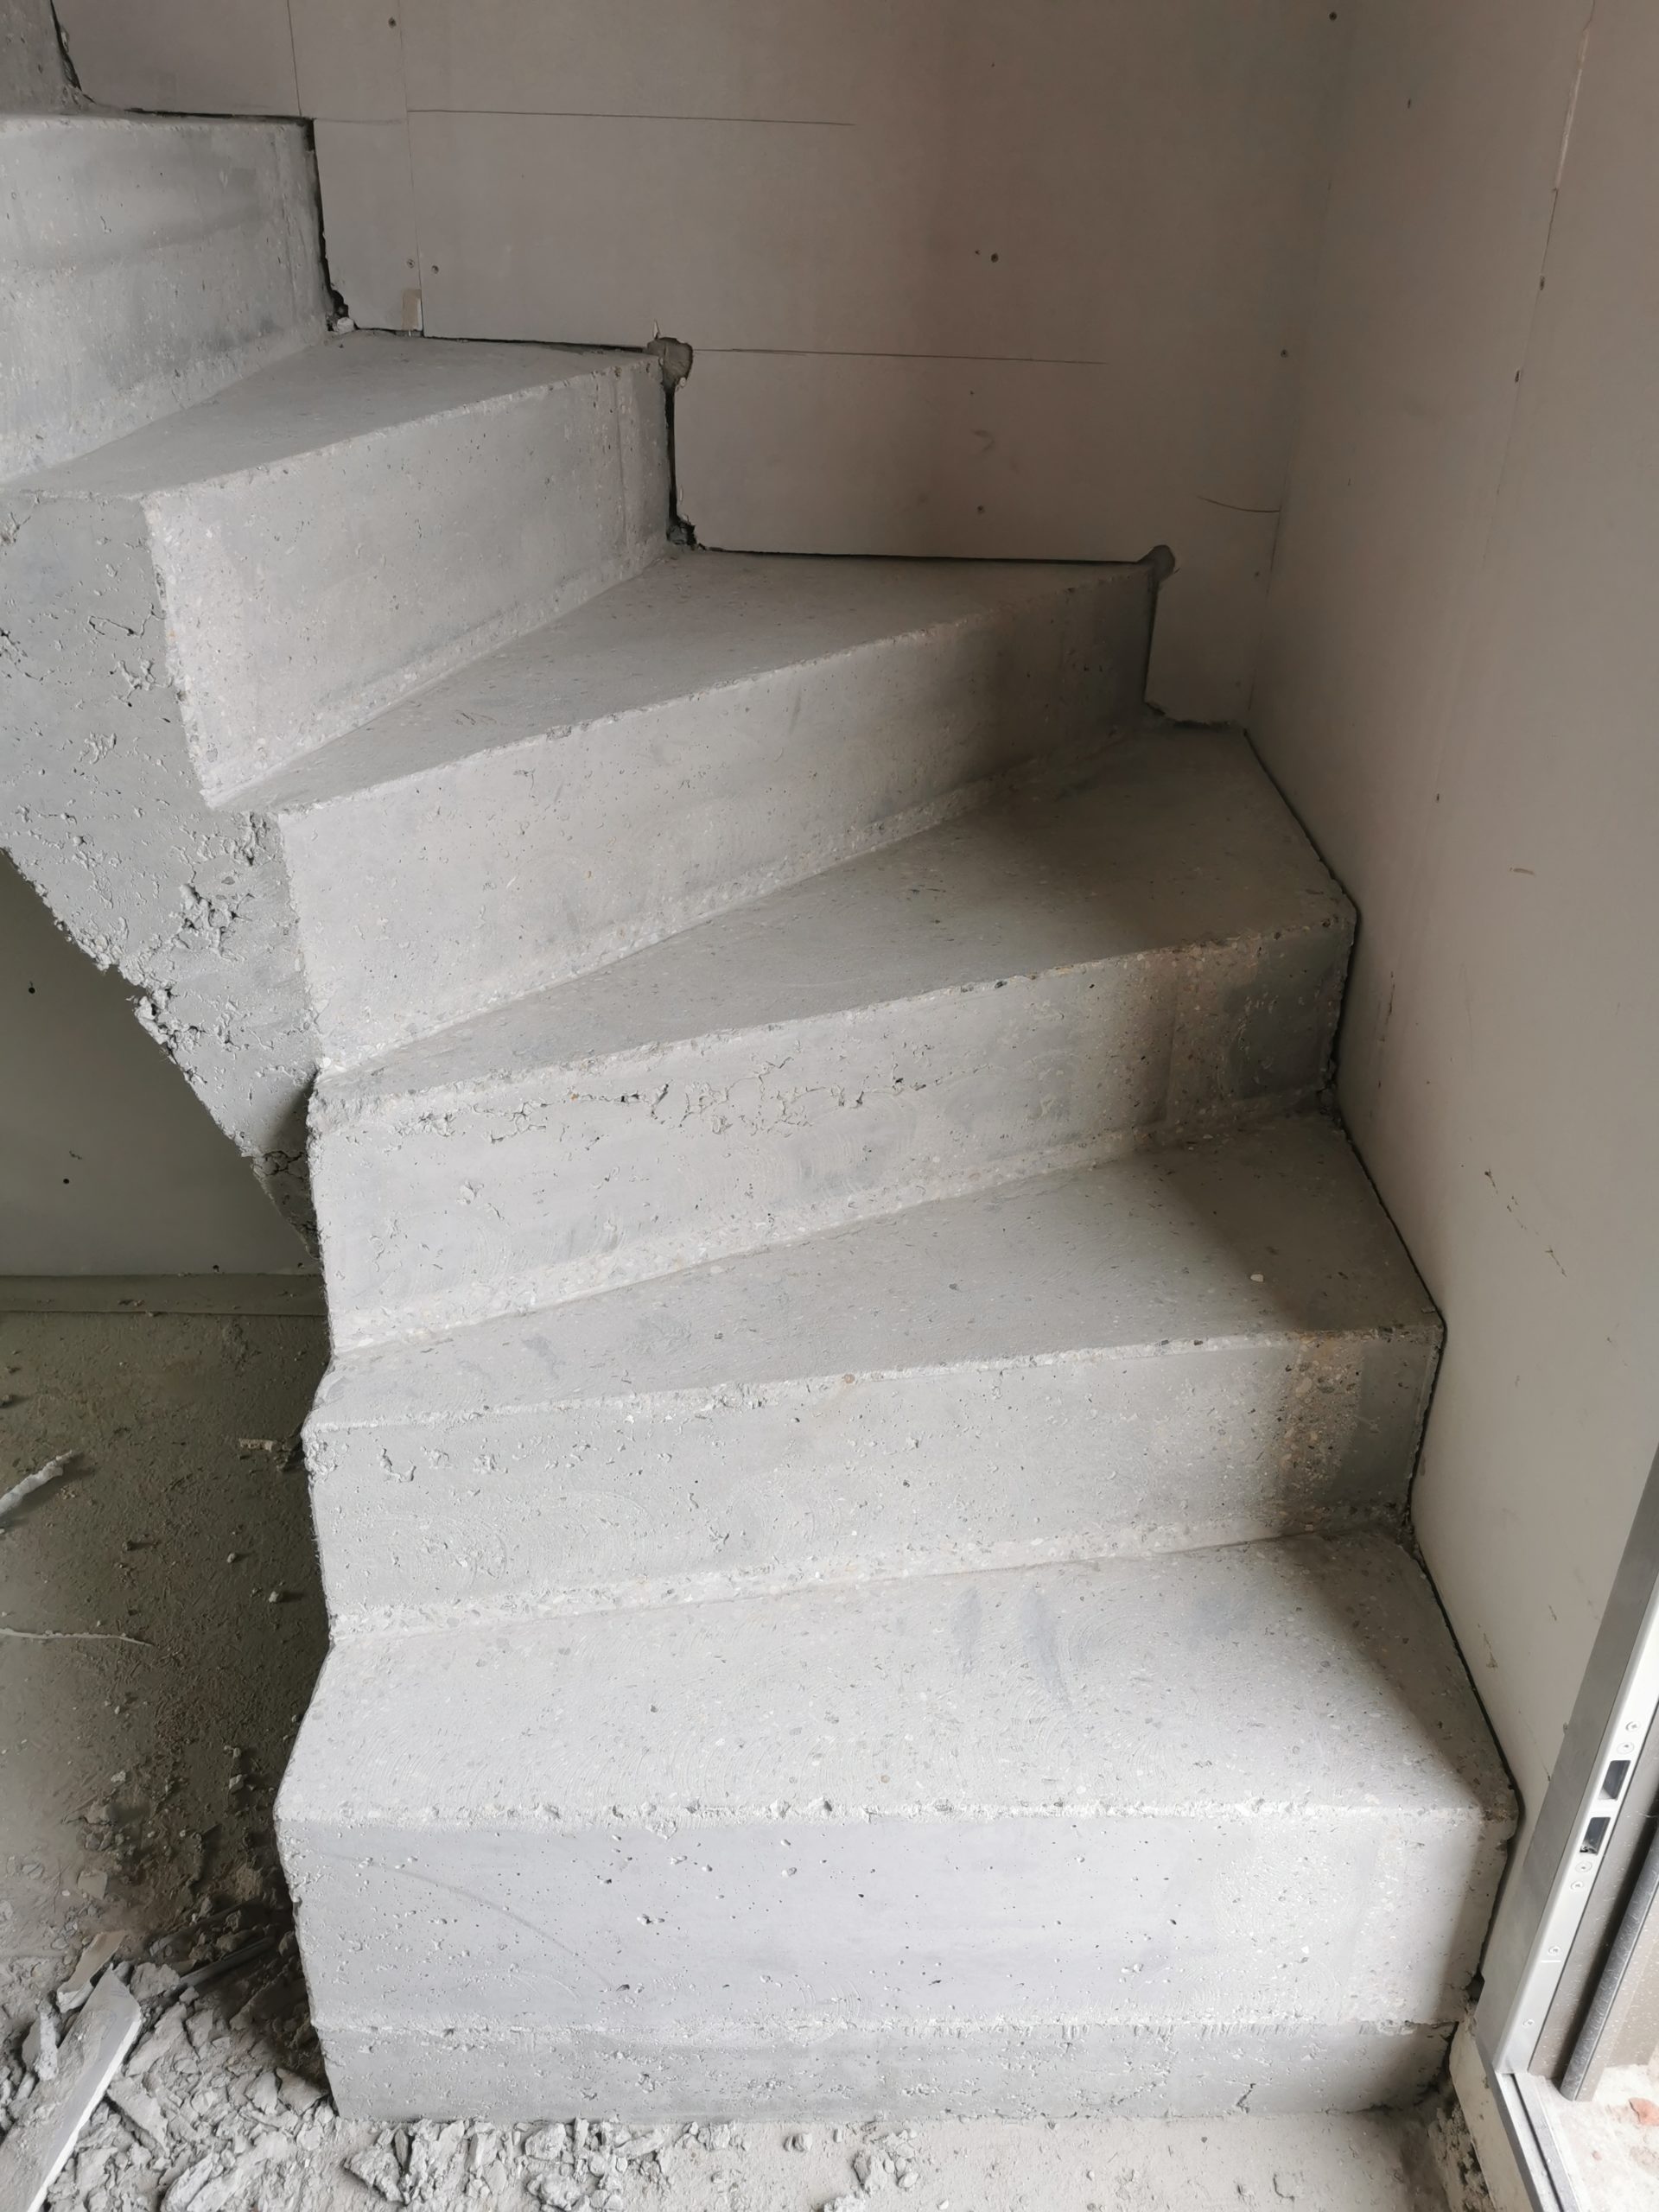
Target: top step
349,525
149,262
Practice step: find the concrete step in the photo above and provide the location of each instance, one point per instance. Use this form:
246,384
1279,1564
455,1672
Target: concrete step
348,525
1187,1347
1151,1835
148,262
720,725
1031,986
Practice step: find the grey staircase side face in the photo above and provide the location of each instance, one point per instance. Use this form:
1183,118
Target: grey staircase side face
501,848
245,551
1186,1347
340,528
149,262
778,1819
103,815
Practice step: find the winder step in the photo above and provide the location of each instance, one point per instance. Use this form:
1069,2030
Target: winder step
1034,985
1191,1346
722,724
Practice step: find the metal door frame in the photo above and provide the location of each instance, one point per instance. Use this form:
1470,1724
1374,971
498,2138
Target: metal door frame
1561,1916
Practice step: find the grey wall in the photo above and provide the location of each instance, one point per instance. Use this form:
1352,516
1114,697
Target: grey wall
108,1163
32,77
1460,692
963,277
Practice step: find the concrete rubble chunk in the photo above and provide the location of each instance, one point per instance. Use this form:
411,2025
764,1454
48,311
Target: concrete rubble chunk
96,1956
40,2046
134,2103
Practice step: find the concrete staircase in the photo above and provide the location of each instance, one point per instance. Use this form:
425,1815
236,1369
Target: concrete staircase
861,1484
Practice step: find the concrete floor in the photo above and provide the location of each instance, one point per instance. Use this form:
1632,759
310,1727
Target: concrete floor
161,1624
1610,2142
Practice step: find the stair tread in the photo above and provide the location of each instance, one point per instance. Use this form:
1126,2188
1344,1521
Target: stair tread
693,622
1158,1249
343,388
1177,841
1274,1679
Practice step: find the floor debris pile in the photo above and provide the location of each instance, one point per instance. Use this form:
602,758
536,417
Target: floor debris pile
220,2105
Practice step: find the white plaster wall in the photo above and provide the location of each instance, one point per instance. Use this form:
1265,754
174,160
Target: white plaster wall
1023,278
1460,692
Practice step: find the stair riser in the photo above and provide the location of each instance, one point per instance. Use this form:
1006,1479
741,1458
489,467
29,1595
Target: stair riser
773,1929
949,2073
443,1211
700,1494
422,901
304,596
149,263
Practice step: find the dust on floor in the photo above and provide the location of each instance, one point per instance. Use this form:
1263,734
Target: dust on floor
161,1622
1610,2141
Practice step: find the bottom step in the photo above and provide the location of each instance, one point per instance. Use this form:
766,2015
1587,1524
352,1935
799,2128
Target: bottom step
1158,1835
